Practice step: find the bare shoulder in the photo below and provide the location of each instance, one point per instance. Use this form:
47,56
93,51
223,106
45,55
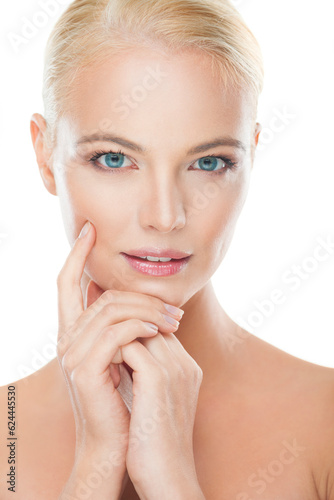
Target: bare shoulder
14,421
277,367
44,432
303,397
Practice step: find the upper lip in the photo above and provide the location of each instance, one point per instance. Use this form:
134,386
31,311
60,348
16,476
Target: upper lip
169,253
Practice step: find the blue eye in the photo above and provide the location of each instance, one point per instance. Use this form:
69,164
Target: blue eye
111,161
210,162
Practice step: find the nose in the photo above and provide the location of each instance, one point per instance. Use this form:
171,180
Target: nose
162,205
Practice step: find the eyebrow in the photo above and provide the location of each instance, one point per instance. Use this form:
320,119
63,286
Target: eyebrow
219,141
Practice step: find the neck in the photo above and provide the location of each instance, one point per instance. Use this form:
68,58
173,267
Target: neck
206,331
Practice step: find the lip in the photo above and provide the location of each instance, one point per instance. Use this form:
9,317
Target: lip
156,268
168,253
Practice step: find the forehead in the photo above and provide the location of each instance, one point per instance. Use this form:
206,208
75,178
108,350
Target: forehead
143,93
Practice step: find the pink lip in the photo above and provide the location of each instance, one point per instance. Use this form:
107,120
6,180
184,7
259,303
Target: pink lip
156,268
158,252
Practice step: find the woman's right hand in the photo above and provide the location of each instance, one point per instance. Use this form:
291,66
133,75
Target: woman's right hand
89,349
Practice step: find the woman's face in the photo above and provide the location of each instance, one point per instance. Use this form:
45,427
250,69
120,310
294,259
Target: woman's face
165,192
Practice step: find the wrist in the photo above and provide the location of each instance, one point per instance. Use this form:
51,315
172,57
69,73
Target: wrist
97,474
172,487
177,492
94,482
89,454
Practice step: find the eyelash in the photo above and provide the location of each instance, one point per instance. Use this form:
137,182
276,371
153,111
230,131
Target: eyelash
230,165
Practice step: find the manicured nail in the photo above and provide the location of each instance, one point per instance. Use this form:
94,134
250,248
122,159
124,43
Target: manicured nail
173,310
170,320
85,230
151,326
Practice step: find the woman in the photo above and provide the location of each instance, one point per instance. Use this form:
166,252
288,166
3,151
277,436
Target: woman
147,104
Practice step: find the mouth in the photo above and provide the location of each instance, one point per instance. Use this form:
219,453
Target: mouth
154,253
156,266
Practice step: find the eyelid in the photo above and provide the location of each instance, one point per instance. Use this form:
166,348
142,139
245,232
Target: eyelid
102,152
98,154
229,162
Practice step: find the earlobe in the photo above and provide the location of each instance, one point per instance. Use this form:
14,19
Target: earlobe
37,131
258,128
255,140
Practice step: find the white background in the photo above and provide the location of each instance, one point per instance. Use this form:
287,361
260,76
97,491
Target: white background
290,204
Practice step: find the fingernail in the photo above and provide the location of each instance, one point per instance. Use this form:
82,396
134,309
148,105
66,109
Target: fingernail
174,310
151,326
85,229
170,320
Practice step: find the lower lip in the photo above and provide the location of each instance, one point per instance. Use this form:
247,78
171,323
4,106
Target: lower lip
156,268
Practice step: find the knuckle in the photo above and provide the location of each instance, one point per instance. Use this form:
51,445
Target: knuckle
195,371
198,372
108,309
179,371
78,376
67,362
107,334
156,306
108,296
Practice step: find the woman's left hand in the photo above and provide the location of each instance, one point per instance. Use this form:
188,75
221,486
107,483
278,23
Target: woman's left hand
166,383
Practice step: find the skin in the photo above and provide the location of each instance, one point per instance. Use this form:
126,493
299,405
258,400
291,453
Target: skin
153,202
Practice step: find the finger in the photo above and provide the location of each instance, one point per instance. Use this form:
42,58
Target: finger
175,345
159,349
181,355
99,298
147,373
88,330
106,349
139,359
70,299
93,292
168,351
116,297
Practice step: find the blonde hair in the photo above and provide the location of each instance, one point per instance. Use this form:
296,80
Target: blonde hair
89,31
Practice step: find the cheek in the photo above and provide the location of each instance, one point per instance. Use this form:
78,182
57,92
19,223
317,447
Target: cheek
84,198
216,220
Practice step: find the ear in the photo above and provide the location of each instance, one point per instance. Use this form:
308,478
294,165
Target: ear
255,139
43,155
258,128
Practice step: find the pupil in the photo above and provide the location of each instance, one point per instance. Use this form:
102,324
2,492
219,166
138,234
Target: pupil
112,158
209,163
